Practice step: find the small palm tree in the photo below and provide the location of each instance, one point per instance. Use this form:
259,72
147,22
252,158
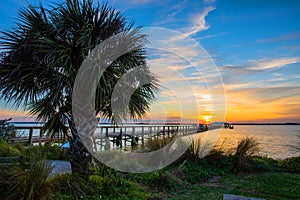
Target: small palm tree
41,58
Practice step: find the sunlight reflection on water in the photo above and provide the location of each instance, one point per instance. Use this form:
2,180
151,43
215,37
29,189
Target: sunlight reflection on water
273,139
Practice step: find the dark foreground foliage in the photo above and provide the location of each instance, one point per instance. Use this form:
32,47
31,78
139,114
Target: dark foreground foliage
188,178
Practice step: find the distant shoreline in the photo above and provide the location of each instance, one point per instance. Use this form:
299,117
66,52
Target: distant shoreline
264,123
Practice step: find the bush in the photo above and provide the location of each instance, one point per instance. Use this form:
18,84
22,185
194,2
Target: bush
105,185
291,164
68,185
26,181
10,150
49,151
263,164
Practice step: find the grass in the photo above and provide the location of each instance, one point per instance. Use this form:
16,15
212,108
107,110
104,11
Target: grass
272,185
155,143
49,151
26,182
246,149
191,177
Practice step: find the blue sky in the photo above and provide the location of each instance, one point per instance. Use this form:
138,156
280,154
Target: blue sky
255,44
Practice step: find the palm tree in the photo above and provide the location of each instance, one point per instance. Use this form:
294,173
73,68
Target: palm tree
41,57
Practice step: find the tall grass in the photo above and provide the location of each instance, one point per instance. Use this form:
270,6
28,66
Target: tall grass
156,143
195,148
48,151
246,149
27,181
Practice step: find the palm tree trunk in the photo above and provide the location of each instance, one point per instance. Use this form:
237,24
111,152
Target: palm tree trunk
80,157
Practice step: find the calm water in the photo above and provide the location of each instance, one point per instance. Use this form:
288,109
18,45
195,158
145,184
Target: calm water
273,139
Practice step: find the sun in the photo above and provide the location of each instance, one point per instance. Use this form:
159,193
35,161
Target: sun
206,118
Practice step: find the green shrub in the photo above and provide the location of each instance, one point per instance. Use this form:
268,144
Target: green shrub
105,185
26,181
9,150
162,180
67,185
111,184
49,151
291,164
264,164
216,157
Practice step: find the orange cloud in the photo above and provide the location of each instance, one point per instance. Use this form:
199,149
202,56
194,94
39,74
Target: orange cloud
256,105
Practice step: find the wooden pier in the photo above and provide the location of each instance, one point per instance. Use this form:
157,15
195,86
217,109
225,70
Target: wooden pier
32,138
133,134
106,134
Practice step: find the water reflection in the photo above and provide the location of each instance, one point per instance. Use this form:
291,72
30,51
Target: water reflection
273,139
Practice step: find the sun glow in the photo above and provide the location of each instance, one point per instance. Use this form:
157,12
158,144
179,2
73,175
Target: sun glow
206,119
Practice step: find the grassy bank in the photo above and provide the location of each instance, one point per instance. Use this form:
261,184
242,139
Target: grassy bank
266,185
240,172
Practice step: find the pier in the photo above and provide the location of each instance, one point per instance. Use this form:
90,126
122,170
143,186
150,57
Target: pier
107,135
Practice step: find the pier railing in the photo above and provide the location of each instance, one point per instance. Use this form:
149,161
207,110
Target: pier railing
117,134
132,134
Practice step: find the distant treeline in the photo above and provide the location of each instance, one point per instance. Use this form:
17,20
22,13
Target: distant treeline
265,123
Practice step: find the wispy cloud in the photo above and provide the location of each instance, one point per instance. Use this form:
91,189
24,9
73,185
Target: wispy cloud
291,47
213,35
265,64
209,1
199,22
142,1
280,38
262,64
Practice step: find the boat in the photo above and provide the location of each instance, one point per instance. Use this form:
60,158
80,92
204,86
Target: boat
221,125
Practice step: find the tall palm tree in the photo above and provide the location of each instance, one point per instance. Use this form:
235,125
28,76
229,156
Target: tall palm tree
41,57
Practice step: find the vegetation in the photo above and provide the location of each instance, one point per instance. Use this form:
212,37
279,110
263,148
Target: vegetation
246,149
6,130
190,177
27,181
42,55
156,143
7,150
268,185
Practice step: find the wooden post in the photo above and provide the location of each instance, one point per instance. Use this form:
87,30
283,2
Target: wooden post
107,141
41,132
120,137
95,144
106,132
30,136
132,136
142,135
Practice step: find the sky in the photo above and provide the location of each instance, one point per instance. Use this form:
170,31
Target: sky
247,52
